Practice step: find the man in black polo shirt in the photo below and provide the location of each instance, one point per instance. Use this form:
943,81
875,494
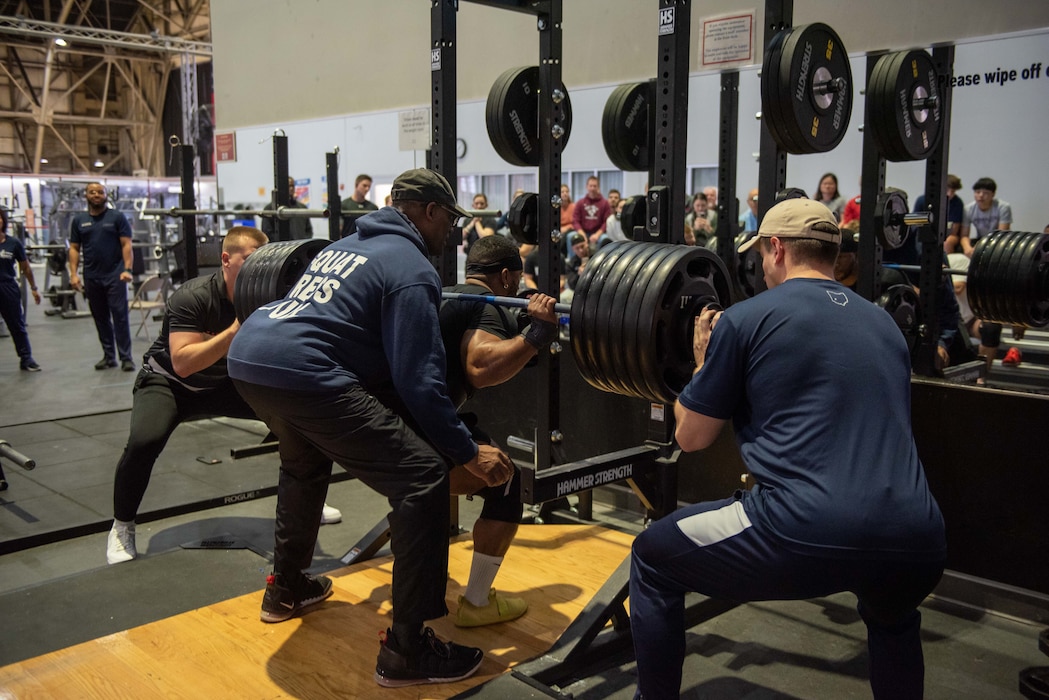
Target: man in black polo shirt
183,376
485,346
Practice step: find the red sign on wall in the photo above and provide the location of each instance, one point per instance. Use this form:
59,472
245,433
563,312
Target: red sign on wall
226,147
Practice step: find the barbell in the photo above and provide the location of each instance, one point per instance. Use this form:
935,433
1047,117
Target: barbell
631,317
1008,278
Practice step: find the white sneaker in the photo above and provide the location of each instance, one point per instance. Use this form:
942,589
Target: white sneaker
330,516
120,546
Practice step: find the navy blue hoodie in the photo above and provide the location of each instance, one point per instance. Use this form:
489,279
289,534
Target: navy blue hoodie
364,313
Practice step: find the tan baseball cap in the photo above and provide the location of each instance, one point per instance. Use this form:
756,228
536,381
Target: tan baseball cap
797,218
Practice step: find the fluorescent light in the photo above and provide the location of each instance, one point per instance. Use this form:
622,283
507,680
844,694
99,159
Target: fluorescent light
99,163
61,42
44,161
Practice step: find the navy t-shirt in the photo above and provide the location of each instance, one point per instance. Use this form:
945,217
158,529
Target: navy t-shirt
12,252
816,381
99,239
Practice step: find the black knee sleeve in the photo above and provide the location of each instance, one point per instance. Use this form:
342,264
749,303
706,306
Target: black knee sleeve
503,503
990,334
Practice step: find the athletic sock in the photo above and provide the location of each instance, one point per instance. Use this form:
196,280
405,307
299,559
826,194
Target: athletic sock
483,570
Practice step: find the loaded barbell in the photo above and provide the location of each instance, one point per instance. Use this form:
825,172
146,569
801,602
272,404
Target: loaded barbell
631,317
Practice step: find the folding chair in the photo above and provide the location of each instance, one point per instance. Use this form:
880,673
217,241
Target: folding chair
156,286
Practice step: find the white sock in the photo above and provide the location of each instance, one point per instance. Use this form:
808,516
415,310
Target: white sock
482,575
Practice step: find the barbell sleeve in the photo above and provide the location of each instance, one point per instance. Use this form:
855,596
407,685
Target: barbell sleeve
15,456
513,302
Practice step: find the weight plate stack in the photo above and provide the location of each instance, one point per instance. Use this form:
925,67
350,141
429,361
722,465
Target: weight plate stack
632,316
626,126
512,116
806,95
891,204
903,106
271,271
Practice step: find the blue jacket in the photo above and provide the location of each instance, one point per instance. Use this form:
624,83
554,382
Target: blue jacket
364,313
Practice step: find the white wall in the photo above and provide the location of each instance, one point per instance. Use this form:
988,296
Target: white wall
996,131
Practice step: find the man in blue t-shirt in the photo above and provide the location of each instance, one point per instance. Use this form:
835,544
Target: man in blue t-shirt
816,382
103,237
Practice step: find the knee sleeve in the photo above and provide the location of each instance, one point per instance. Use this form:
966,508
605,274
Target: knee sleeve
990,334
503,503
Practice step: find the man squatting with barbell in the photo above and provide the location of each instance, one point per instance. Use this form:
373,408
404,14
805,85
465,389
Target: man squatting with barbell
816,381
349,367
485,346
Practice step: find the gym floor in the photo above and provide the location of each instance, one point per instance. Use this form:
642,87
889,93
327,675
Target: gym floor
56,589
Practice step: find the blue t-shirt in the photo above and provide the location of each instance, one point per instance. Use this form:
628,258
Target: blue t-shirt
364,313
99,239
816,381
12,252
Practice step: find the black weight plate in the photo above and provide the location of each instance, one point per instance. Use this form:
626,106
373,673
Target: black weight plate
1014,303
772,102
812,55
989,281
999,275
271,271
978,278
613,354
901,301
878,102
1020,301
640,307
626,127
1005,277
512,116
892,236
784,110
1036,282
606,276
523,218
657,356
690,280
634,212
585,306
608,123
908,133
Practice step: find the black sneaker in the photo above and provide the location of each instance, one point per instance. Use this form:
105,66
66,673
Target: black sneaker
105,363
283,600
30,365
127,365
432,661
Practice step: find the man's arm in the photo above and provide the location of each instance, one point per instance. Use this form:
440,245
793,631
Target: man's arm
74,264
695,431
193,351
489,360
125,252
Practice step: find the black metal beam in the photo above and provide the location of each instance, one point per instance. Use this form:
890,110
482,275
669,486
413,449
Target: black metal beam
443,121
188,201
281,196
872,183
666,208
331,175
728,148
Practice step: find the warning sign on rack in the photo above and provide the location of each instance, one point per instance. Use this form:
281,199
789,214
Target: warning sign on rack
727,39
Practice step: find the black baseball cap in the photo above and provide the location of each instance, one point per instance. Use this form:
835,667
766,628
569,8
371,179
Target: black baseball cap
425,185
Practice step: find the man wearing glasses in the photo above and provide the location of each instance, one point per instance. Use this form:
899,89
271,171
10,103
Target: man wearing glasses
349,367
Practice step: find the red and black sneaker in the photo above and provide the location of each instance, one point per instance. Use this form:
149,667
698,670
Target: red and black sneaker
285,598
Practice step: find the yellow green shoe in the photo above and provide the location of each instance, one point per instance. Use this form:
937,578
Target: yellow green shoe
499,609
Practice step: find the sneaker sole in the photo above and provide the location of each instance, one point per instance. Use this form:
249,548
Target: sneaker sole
281,616
386,682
